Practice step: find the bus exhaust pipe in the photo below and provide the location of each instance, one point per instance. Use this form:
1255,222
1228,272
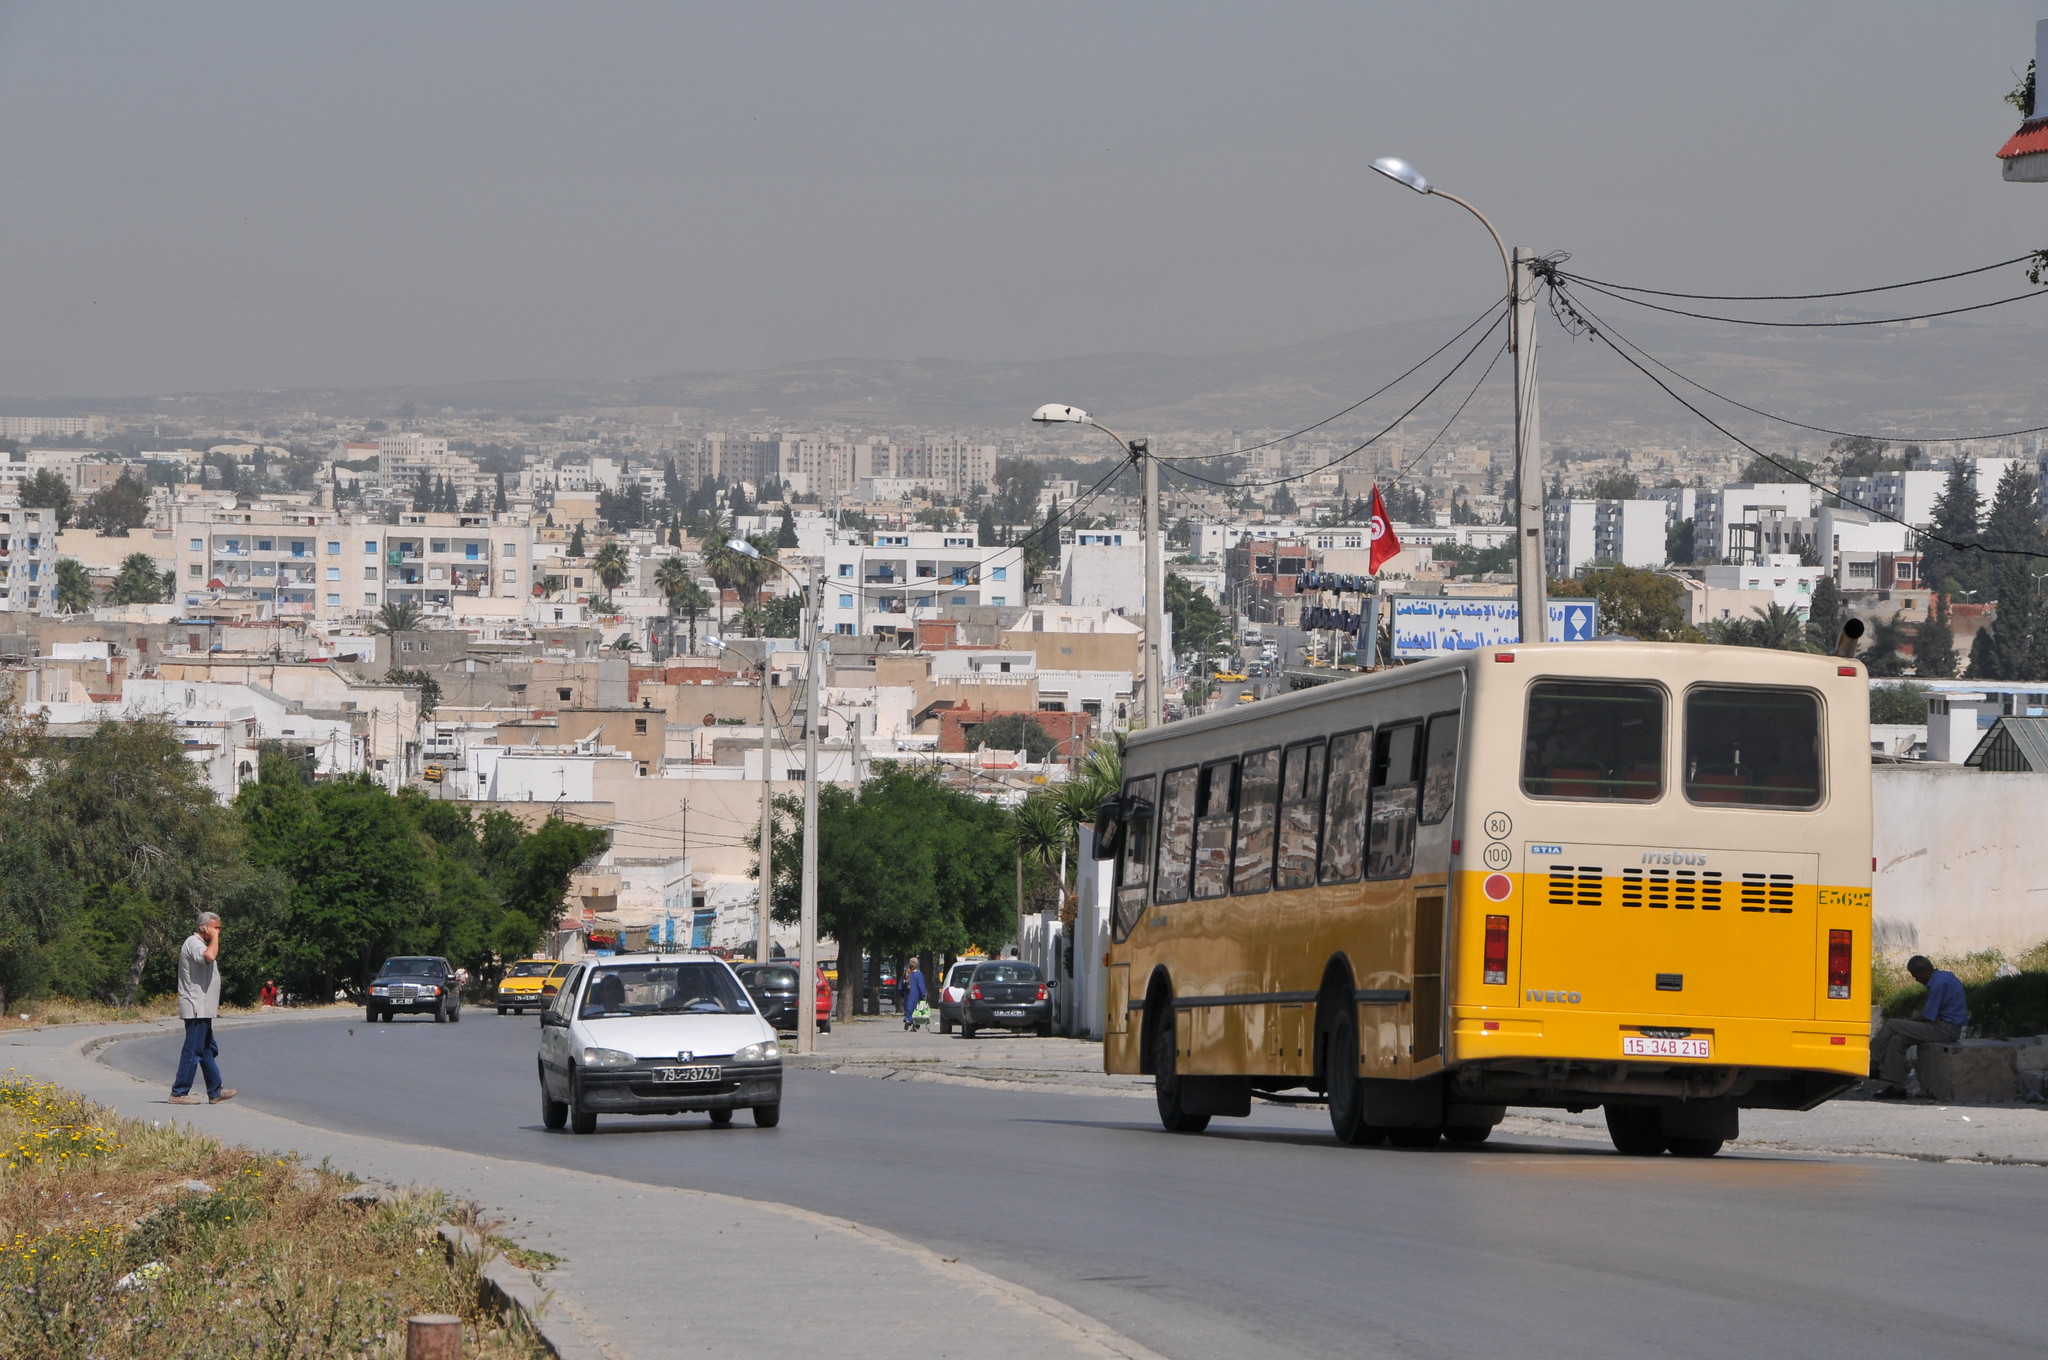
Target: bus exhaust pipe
1852,633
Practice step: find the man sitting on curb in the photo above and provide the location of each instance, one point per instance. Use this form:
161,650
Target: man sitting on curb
1939,1020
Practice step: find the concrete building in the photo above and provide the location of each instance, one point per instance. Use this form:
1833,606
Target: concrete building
1725,522
1787,584
905,575
28,558
1581,533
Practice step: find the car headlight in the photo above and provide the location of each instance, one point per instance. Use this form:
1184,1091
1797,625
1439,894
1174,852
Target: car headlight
765,1051
607,1057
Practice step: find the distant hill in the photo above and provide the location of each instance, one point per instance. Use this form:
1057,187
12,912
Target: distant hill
1936,378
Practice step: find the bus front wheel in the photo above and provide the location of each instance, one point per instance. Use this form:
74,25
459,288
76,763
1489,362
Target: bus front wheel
1637,1130
1346,1092
1694,1147
1166,1083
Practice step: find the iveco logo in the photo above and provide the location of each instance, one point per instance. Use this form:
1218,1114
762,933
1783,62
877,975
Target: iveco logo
1672,857
1553,998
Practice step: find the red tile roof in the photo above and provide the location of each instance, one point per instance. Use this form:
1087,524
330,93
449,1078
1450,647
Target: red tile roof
2031,138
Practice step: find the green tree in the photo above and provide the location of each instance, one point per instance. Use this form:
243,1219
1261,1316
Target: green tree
1014,732
1904,703
1946,569
1199,627
1619,486
1017,487
1634,602
779,616
1761,471
139,582
47,490
1934,644
116,509
679,589
1858,455
421,680
1824,616
1679,541
785,533
1283,501
610,564
576,544
985,528
1882,653
73,589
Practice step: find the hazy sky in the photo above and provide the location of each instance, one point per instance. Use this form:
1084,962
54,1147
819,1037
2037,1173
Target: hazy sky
208,196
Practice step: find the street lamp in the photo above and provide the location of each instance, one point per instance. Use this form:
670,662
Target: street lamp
1138,451
1530,592
807,918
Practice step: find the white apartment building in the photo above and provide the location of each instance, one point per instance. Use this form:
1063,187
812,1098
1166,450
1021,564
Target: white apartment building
28,559
41,427
1845,532
404,461
1789,584
911,574
1726,521
1580,533
430,559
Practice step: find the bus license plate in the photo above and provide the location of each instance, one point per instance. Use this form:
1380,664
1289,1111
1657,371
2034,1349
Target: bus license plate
686,1074
1643,1046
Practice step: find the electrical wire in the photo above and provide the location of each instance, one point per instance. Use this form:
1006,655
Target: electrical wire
1821,429
1796,297
1417,459
1586,321
1813,325
1254,448
1389,429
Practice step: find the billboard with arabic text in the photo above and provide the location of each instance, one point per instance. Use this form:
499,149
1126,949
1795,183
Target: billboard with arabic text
1426,626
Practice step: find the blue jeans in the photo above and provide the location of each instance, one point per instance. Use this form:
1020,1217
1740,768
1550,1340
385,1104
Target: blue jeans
200,1051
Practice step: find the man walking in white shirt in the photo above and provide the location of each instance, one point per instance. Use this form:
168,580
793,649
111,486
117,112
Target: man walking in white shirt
198,1004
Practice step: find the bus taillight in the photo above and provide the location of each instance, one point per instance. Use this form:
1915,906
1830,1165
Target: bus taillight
1838,964
1497,950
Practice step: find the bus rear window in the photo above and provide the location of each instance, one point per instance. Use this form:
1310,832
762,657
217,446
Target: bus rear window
1596,741
1752,747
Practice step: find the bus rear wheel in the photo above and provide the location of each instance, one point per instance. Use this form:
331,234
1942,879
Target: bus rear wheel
1637,1130
1345,1091
1695,1147
1166,1083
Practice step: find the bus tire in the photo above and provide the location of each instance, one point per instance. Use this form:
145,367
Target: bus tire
1414,1138
1637,1130
1341,1084
1166,1083
1694,1147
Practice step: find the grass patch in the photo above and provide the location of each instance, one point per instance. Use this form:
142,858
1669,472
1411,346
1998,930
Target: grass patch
59,1011
106,1250
2001,1007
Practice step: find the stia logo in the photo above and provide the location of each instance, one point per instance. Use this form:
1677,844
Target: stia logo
1673,857
1560,998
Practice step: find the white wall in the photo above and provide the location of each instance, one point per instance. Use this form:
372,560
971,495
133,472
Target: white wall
1961,861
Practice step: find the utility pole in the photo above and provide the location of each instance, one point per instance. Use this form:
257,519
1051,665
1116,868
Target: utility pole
1155,586
1531,585
807,946
763,909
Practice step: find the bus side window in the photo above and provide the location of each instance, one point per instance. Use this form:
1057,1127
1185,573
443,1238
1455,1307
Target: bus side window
1133,859
1213,819
1390,844
1176,836
1301,815
1344,817
1440,769
1258,792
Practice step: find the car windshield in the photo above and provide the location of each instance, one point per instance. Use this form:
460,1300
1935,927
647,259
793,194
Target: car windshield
411,967
769,979
540,969
1007,972
664,989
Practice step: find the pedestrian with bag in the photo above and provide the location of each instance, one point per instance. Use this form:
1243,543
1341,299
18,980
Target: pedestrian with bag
913,993
198,1004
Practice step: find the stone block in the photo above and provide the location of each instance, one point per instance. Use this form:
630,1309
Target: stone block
1972,1070
2031,1084
2030,1055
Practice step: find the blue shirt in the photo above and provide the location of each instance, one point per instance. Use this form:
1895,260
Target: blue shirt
913,991
1945,999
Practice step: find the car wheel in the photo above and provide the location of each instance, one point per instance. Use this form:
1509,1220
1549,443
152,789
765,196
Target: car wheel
553,1113
1345,1092
945,1025
501,1010
1636,1130
580,1119
1694,1147
721,1119
1166,1088
767,1116
455,1016
825,1026
1414,1138
1044,1031
1467,1133
966,1030
370,1015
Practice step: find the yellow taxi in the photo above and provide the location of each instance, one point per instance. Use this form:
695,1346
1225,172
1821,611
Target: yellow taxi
520,988
1230,677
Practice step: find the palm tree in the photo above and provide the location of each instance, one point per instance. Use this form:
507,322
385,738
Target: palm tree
732,569
610,564
1039,834
73,592
139,582
678,585
1781,629
397,616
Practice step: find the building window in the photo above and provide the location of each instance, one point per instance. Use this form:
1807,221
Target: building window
298,547
472,551
369,597
370,547
999,600
846,601
333,547
999,574
334,601
564,695
198,545
264,545
962,599
440,545
369,573
334,573
197,569
511,576
640,726
846,568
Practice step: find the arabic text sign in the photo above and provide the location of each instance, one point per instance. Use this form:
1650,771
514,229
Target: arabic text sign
1434,626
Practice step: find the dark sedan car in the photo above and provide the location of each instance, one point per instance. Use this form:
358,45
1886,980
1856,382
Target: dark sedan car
416,985
773,988
1007,994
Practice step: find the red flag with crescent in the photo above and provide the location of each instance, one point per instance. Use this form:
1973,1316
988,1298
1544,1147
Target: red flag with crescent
1384,544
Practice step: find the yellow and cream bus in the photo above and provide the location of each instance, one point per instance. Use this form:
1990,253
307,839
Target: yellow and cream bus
1626,875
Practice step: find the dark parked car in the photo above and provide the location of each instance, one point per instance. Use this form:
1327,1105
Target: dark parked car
773,988
1007,994
415,985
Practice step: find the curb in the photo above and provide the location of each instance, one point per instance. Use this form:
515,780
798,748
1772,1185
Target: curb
516,1294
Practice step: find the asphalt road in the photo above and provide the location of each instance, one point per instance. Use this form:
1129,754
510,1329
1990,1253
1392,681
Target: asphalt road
1262,1237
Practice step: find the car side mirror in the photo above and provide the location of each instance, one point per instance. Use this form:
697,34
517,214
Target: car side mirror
554,1018
1052,984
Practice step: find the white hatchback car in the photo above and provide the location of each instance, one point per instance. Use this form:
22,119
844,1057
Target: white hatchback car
656,1034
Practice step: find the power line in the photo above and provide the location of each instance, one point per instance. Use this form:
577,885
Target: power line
1419,401
1798,297
1254,448
1812,325
1583,319
1417,459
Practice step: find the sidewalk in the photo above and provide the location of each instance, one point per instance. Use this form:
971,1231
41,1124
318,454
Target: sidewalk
857,1281
2001,1133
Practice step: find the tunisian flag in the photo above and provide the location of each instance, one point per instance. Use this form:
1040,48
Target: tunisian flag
1384,544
